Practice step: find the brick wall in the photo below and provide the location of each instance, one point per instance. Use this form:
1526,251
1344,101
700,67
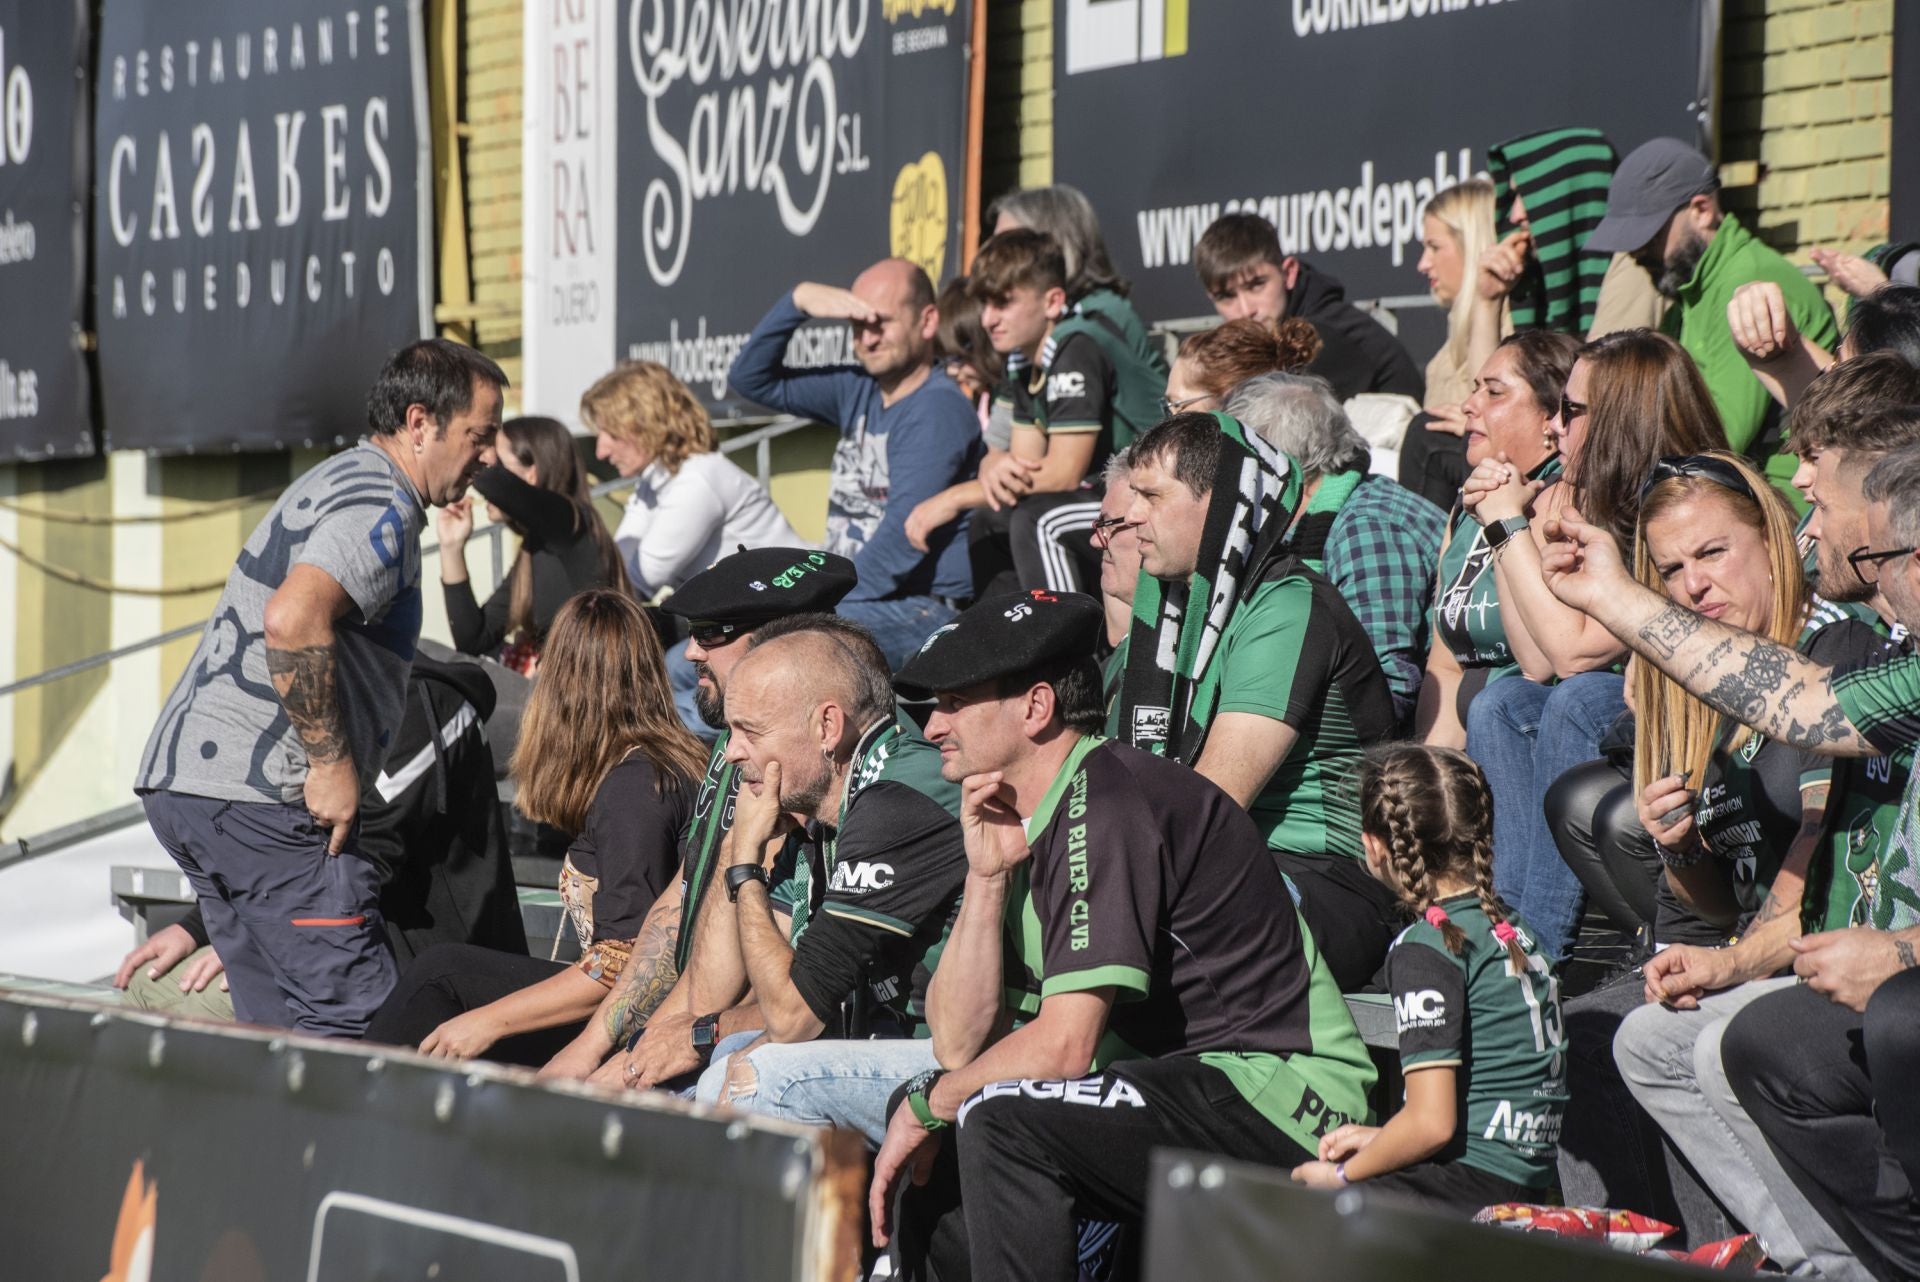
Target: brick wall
1018,148
491,80
1807,93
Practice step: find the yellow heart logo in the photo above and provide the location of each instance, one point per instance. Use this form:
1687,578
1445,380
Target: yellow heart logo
917,229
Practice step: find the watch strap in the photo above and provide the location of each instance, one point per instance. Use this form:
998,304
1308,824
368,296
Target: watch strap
704,1033
917,1092
1498,532
739,875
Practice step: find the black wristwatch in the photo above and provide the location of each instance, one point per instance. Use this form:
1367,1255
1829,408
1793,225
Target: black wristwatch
1499,532
918,1091
705,1032
739,875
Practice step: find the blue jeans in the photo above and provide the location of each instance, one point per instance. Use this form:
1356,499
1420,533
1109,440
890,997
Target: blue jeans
823,1083
901,626
1525,736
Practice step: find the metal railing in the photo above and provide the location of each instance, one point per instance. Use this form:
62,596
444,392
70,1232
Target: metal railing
763,432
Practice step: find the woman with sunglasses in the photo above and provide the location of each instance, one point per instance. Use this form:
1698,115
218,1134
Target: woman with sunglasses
1631,398
602,755
1711,832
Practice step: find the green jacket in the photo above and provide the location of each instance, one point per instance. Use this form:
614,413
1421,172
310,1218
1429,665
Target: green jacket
1754,424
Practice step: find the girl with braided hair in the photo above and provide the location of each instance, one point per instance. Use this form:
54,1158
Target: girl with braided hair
1476,1002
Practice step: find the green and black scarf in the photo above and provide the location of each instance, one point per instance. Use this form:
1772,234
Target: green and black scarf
1562,176
1172,686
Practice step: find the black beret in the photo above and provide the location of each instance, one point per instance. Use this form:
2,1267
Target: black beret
757,586
1001,636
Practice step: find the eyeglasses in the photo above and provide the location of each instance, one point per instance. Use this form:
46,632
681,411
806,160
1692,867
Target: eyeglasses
712,636
1570,410
1107,526
1169,408
1704,467
1862,557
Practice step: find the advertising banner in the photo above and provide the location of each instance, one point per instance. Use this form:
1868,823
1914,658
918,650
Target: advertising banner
744,148
140,1148
1338,119
45,396
260,216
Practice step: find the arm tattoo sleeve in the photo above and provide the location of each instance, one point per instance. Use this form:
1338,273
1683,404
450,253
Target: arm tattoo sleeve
1668,629
309,691
645,983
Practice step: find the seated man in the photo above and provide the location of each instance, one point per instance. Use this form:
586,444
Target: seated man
863,893
1378,541
434,828
1118,911
1081,390
1245,273
1119,545
1787,1052
907,433
723,606
1249,667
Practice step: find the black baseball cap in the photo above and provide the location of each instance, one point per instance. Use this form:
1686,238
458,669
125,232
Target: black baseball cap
1002,636
1655,179
756,586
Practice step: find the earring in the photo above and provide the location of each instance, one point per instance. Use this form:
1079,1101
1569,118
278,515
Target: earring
1546,438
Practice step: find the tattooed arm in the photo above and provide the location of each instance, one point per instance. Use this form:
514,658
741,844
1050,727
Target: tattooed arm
648,978
1773,688
299,621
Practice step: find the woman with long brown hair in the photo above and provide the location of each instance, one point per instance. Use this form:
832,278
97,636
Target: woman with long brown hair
1632,398
539,489
601,755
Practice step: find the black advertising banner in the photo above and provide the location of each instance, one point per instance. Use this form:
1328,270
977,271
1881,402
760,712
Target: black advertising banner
1231,1222
260,216
1338,119
45,398
762,145
139,1148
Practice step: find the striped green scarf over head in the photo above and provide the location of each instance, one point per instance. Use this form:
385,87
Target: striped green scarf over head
1562,176
1172,686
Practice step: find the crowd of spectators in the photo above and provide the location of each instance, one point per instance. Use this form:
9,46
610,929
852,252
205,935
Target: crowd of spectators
1567,690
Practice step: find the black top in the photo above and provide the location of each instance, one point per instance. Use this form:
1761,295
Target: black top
1748,807
892,891
631,844
1357,354
554,533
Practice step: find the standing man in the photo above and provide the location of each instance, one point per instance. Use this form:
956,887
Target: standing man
724,606
1250,668
1125,972
1664,209
907,433
254,774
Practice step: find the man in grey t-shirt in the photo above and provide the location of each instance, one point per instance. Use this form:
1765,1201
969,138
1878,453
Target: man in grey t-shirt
253,775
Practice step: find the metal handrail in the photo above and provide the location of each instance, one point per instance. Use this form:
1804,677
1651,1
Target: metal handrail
764,431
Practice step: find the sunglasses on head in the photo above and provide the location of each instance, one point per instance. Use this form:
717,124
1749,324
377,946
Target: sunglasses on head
1704,467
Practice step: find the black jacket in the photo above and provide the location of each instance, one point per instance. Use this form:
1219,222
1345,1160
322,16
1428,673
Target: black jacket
1357,354
433,823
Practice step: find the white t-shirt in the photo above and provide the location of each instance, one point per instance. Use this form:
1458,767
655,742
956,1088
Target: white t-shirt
678,523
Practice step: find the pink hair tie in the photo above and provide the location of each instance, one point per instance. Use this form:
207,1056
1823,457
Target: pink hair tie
1505,933
1436,916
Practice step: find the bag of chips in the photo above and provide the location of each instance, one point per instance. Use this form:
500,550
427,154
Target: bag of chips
1742,1253
1627,1231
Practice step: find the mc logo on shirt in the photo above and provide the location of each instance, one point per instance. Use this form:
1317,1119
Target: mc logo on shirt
1424,1009
1067,385
855,878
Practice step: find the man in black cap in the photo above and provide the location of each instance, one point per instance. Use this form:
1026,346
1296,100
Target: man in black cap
1664,209
722,606
1125,972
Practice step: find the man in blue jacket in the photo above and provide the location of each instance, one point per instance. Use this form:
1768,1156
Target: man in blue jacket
907,432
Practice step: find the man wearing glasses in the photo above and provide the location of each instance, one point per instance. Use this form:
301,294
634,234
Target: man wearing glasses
1820,1067
907,433
723,606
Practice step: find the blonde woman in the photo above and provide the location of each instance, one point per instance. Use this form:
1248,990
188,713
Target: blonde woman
690,504
1456,230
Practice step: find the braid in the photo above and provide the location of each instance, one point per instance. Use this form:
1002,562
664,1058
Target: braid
1477,818
1392,787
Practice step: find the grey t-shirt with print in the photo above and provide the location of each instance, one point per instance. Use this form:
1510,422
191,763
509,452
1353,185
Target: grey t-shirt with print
223,732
